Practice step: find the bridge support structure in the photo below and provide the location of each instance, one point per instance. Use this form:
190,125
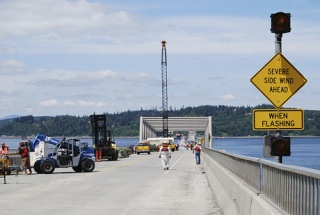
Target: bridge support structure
151,126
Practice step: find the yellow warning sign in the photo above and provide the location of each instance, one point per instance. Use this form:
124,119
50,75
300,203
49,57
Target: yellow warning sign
283,119
278,80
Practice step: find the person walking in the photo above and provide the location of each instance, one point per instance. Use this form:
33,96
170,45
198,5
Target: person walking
197,150
165,155
24,153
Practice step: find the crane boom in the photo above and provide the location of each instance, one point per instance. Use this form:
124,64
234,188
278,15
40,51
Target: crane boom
164,89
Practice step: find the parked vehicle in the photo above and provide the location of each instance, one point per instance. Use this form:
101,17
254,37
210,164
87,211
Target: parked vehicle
66,153
143,148
103,139
39,148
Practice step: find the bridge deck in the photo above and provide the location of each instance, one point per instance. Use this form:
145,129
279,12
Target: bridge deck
134,185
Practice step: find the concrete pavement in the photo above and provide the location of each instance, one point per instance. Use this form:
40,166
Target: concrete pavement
134,185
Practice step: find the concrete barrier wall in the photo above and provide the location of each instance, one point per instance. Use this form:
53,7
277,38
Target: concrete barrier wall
233,196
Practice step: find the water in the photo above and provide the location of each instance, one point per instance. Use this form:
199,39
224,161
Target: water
305,151
13,143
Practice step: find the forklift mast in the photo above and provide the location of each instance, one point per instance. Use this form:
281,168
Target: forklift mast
103,139
110,137
100,133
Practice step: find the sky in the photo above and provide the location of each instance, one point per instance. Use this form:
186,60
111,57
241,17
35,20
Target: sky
70,57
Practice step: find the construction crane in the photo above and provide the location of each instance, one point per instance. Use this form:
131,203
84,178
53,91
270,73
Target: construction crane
164,90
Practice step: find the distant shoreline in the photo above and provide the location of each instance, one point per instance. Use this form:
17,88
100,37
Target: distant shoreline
88,137
216,137
80,137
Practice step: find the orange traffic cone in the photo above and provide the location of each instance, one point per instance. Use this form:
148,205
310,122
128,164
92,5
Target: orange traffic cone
100,154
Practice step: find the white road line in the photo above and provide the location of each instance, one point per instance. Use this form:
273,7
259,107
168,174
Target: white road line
175,162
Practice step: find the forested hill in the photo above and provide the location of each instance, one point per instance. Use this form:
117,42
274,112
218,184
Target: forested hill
226,121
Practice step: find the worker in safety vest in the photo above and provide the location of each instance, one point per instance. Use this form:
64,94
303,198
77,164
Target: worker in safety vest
4,150
196,150
24,153
165,155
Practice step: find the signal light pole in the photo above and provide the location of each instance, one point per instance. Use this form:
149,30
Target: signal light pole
280,23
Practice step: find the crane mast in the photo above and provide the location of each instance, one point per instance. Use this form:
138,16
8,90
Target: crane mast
164,90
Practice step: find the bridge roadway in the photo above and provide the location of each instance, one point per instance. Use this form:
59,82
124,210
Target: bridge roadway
133,185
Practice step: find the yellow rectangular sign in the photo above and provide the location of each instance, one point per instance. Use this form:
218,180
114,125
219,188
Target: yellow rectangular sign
283,119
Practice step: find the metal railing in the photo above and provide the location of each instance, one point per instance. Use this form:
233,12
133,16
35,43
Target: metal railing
293,189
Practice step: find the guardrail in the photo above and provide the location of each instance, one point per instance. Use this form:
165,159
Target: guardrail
293,189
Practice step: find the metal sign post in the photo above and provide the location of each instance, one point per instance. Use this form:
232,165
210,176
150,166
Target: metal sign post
278,41
278,49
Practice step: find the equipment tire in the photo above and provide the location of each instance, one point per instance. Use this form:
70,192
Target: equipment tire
87,165
37,167
77,168
47,167
113,155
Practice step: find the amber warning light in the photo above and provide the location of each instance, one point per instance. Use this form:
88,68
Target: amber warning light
280,22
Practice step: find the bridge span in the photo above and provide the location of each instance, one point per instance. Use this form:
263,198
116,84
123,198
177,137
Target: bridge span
133,185
222,184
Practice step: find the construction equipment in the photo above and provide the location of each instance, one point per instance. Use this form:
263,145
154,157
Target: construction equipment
66,153
103,139
164,90
39,147
4,165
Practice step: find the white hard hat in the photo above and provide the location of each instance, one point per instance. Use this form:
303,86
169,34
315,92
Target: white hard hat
165,141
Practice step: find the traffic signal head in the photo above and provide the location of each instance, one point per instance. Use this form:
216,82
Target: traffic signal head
280,22
280,146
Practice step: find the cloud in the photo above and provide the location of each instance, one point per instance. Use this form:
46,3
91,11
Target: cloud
7,49
97,28
48,103
82,79
65,26
140,77
98,75
60,17
8,100
91,104
11,66
79,56
227,97
70,103
218,77
71,78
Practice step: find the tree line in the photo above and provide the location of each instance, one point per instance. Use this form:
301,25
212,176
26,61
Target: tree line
226,121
